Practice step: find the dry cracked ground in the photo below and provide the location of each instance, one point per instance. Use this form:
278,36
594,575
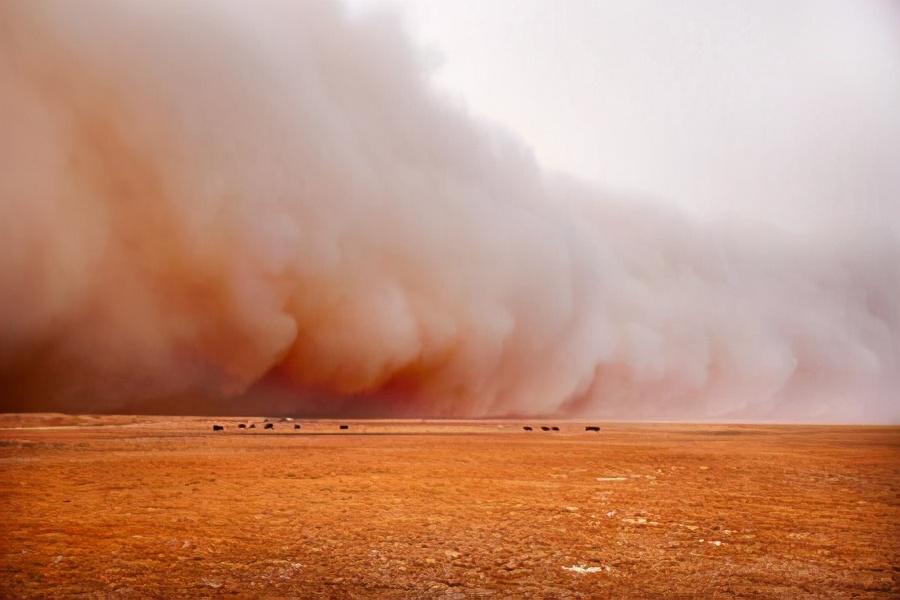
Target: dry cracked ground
162,507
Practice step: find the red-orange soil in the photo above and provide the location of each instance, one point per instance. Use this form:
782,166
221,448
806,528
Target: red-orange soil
162,507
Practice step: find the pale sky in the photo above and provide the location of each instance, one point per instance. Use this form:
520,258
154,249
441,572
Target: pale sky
780,111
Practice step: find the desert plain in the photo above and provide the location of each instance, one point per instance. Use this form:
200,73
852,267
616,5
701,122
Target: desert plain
163,507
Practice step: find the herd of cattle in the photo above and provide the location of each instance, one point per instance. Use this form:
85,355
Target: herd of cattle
266,425
270,425
555,428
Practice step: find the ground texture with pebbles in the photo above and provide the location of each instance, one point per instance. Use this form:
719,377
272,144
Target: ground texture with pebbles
100,507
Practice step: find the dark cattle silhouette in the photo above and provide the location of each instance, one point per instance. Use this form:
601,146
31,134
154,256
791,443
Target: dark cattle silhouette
345,427
592,428
241,426
527,428
545,428
296,427
270,425
218,428
555,428
252,426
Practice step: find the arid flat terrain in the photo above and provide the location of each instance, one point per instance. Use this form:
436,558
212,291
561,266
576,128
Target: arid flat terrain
163,507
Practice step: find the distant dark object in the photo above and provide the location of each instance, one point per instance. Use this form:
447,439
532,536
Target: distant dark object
270,426
218,428
527,428
345,427
545,428
592,428
555,428
241,426
252,426
296,427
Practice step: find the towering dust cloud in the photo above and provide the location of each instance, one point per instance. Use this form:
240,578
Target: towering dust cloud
219,207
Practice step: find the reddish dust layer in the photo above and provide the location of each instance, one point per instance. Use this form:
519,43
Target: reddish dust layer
217,207
166,508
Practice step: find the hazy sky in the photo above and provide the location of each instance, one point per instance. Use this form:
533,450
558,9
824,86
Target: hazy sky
786,112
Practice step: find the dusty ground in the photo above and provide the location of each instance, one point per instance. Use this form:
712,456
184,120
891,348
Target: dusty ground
163,507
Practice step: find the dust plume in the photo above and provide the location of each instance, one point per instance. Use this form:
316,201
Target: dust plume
225,207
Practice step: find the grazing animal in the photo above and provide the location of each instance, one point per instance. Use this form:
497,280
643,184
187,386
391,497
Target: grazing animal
296,427
218,428
252,426
345,427
527,428
270,426
592,428
554,428
545,428
241,426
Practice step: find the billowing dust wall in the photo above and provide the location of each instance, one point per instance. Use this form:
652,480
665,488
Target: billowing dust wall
251,207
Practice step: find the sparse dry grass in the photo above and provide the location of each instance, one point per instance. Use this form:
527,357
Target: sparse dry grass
165,508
